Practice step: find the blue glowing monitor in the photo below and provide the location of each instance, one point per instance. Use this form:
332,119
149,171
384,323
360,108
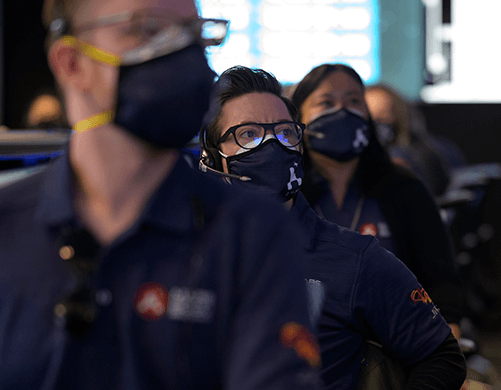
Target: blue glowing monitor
290,37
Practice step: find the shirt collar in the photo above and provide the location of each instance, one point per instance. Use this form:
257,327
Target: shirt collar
170,207
56,205
307,218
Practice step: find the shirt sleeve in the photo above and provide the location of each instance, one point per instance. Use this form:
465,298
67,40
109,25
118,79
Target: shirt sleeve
429,249
393,307
270,344
444,368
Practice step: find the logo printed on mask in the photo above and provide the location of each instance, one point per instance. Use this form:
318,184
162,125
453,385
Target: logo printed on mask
340,134
274,169
368,229
294,178
361,141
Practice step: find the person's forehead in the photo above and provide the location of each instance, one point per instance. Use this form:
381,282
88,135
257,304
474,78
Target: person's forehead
89,10
338,83
254,107
378,100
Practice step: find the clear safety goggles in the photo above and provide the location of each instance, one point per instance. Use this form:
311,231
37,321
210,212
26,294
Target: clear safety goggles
156,33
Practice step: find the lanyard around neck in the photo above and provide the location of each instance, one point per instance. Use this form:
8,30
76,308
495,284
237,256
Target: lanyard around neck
358,212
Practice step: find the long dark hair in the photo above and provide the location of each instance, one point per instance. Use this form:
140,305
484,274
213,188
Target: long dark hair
374,160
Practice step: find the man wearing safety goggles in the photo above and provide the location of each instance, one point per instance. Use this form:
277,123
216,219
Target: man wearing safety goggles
121,267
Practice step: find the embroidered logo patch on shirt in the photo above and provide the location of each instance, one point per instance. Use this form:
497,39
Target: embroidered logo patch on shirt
316,296
368,229
420,295
383,230
297,337
152,301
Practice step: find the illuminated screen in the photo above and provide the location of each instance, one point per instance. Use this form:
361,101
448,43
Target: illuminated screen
462,56
290,37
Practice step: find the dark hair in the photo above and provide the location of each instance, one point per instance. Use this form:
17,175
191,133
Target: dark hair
374,161
238,81
312,80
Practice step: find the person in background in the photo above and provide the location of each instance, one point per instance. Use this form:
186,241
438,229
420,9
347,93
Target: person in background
351,181
45,112
401,130
253,134
121,266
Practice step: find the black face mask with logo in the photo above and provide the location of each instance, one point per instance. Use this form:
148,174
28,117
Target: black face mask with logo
274,169
339,134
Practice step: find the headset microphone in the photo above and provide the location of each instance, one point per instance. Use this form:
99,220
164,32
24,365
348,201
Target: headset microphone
205,168
315,134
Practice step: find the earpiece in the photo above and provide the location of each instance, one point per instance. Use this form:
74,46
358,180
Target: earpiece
210,157
211,161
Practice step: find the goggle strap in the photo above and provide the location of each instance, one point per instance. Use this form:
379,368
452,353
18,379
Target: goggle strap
91,51
94,121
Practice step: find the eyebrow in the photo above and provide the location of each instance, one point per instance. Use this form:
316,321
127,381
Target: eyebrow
353,92
348,93
252,122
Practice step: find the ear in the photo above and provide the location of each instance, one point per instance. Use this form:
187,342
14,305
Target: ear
66,64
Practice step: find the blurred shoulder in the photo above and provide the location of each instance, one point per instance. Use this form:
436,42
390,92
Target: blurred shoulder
20,189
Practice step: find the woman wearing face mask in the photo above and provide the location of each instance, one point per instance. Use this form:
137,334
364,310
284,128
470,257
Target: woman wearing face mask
362,291
401,132
350,180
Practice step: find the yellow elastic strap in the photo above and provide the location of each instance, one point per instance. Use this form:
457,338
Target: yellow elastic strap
91,51
94,121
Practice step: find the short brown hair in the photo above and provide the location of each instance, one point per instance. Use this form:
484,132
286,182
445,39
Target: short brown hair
57,9
54,9
237,81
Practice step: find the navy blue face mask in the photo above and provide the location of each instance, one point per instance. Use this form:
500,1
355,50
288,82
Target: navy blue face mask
274,169
339,134
163,100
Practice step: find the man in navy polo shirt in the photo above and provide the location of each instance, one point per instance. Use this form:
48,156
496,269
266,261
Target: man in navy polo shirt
121,267
369,296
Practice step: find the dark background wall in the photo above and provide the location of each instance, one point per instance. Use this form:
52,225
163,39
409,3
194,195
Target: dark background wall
26,73
476,128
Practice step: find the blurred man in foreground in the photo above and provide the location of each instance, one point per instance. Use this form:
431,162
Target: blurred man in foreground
120,266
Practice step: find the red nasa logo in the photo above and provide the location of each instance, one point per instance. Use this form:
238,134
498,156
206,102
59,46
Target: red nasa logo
150,301
368,229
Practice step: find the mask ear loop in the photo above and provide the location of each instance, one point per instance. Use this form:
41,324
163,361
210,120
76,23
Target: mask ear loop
91,51
99,56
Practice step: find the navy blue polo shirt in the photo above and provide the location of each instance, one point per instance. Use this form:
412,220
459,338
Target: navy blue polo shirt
368,294
184,301
371,221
